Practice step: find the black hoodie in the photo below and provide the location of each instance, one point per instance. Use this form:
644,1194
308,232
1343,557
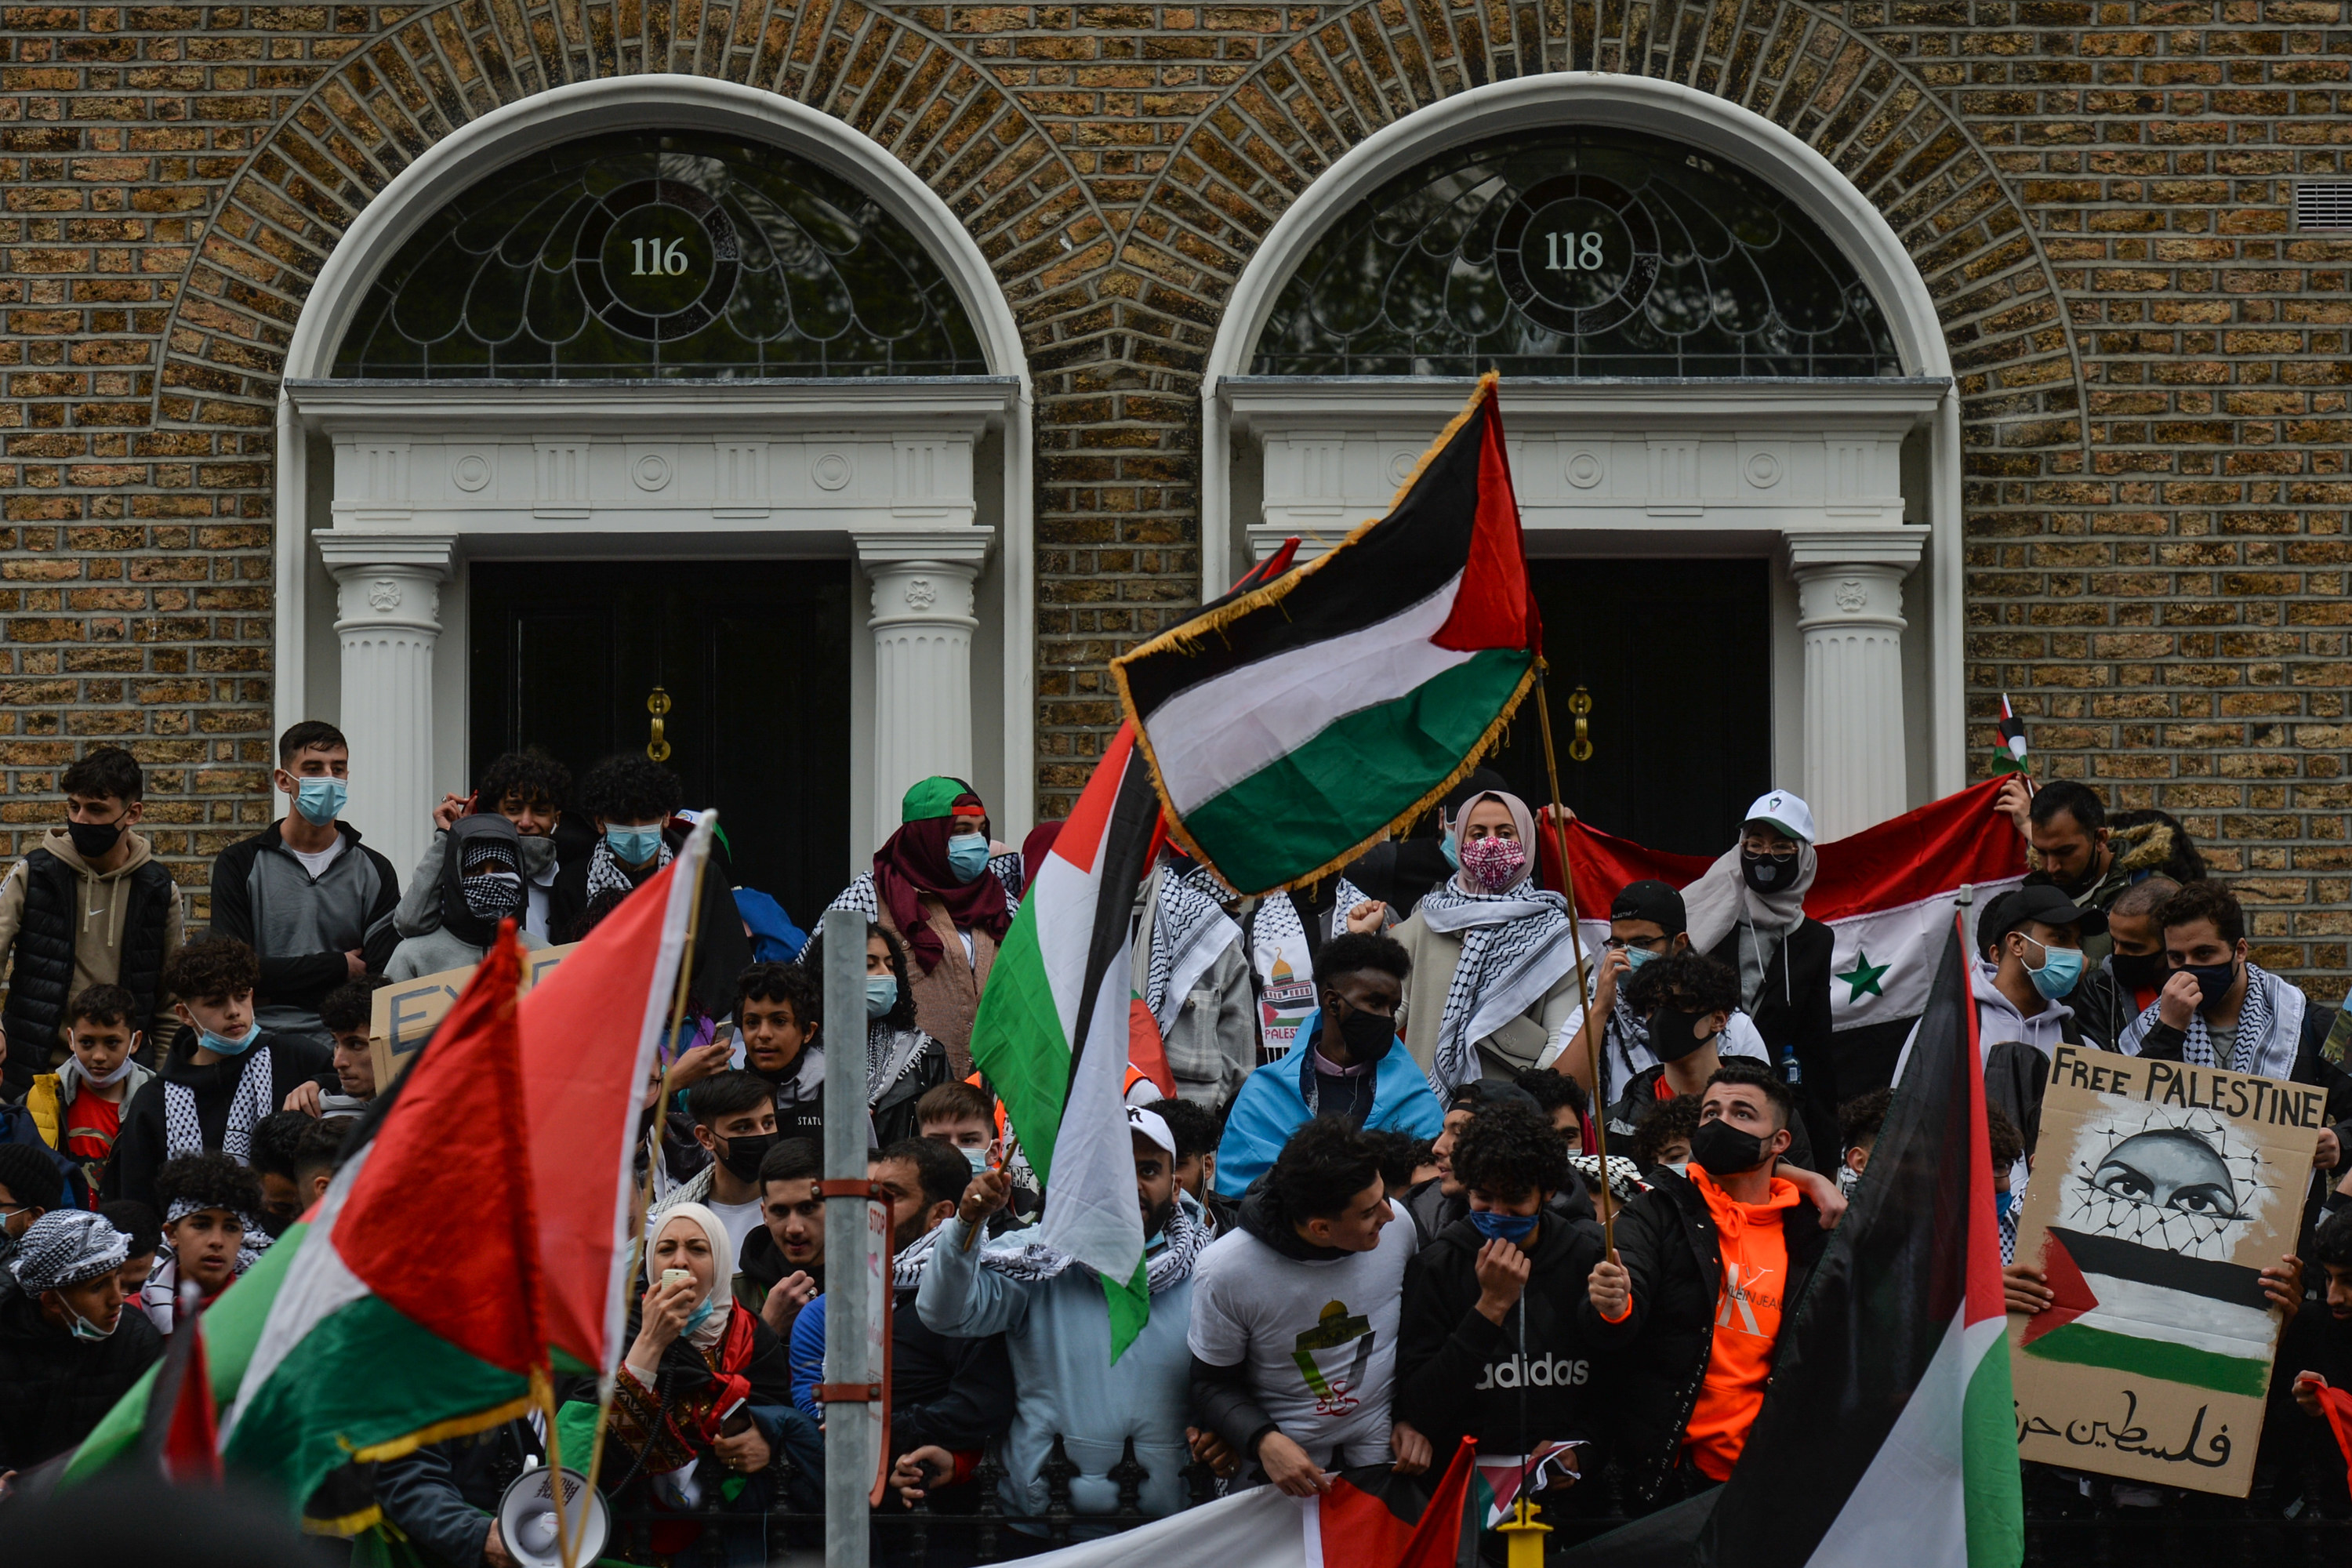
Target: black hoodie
1526,1380
138,1148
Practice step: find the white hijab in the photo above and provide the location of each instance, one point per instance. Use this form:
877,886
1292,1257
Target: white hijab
721,1294
1722,899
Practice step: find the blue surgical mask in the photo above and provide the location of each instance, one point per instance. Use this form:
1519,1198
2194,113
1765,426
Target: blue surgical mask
321,801
1496,1227
2060,968
1638,956
977,1158
967,855
83,1329
881,994
221,1045
2002,1203
700,1314
633,846
1453,856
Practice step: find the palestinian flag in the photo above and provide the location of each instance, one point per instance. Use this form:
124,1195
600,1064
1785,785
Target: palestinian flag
1888,894
1371,1518
2012,738
2153,1313
1053,1028
1888,1434
1291,724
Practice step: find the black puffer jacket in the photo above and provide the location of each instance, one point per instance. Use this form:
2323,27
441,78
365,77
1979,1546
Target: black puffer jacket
1526,1380
55,1387
1658,1354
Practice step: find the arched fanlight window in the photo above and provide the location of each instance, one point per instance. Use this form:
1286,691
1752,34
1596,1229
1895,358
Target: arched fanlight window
643,253
1576,252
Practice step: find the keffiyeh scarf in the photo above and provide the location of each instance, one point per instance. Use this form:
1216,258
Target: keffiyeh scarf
1625,1181
184,1131
1514,948
67,1248
890,1054
907,1268
1188,929
605,873
1187,1233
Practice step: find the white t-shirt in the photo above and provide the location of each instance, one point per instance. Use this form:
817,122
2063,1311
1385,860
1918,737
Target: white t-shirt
1319,1337
740,1220
317,861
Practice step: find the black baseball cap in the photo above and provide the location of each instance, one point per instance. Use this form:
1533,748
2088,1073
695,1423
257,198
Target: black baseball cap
2044,904
1652,901
1481,1092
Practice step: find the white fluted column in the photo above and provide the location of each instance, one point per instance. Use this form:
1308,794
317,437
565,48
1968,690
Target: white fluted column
389,618
922,624
1850,610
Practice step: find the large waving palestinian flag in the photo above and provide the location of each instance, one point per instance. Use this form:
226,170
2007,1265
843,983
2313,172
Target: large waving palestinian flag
1291,725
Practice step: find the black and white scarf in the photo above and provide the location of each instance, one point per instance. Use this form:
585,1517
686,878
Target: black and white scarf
906,1266
890,1054
1514,948
1187,1233
1188,929
184,1131
2253,1029
1007,868
605,873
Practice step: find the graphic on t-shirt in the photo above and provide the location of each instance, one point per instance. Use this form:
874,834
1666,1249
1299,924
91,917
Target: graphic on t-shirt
1743,1297
1282,1007
1335,1330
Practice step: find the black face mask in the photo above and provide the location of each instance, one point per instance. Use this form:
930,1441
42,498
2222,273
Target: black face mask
1674,1034
1366,1034
1765,874
741,1154
1723,1149
2139,971
2213,982
93,840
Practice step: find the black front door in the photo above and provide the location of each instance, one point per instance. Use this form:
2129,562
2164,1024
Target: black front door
1676,657
754,658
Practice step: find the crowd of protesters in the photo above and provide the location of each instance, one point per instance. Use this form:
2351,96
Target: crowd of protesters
1371,1184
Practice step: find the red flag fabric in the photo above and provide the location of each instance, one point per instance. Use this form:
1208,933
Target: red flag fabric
192,1439
1147,1051
2336,1404
1437,1540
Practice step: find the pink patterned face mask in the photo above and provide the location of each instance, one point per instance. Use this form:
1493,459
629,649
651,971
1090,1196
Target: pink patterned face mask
1494,863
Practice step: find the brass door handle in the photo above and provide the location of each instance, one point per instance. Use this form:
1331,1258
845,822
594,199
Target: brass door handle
1580,704
658,703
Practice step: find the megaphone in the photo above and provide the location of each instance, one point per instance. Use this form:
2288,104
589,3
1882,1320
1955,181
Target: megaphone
527,1518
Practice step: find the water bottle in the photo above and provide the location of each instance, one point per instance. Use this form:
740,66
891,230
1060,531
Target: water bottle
1793,1075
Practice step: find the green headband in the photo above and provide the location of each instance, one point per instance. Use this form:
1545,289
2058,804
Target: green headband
935,796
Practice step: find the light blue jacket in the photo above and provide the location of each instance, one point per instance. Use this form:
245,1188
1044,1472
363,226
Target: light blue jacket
1057,1332
1272,1106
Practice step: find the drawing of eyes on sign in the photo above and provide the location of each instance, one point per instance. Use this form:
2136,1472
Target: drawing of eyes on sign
2161,1192
408,1011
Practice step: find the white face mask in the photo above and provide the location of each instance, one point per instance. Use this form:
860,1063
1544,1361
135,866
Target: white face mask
1679,1167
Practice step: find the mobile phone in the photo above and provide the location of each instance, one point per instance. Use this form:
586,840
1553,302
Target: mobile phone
735,1419
673,1276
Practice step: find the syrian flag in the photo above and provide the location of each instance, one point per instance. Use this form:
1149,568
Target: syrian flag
2137,1309
1053,1028
1371,1518
1888,894
1293,723
1888,1433
2013,737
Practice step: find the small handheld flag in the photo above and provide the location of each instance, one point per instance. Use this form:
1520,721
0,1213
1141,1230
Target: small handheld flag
2012,736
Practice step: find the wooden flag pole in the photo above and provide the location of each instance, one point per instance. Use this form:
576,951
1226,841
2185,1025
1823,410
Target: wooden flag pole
1584,981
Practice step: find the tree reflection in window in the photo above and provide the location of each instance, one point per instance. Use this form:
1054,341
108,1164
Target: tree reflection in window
648,255
1577,252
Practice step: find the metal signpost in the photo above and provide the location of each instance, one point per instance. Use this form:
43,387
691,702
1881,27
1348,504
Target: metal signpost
854,1292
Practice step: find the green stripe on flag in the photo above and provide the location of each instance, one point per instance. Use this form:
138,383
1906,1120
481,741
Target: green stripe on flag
1018,1042
1351,781
2080,1345
1991,1491
1130,1308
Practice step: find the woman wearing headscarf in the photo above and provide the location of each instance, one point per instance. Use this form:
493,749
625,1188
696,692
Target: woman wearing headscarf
1747,911
902,1063
481,884
702,1378
936,887
1493,956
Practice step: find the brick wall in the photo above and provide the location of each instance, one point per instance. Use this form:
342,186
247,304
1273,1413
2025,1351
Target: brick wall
2153,360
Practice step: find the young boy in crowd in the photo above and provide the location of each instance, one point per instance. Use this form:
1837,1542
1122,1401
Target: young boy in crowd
1196,1130
1489,1346
1859,1120
777,1006
317,1154
30,1186
781,1265
79,1107
212,1231
734,1117
528,789
222,1075
90,905
348,1013
138,1222
1664,1142
70,1349
964,1116
274,1143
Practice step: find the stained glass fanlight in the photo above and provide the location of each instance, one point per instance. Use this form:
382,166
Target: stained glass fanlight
1576,252
644,254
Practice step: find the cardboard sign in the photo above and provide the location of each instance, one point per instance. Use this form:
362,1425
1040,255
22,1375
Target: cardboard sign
408,1011
2160,1192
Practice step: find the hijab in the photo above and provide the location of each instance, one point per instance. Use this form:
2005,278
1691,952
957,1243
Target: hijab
1721,899
1523,822
720,1295
485,843
914,862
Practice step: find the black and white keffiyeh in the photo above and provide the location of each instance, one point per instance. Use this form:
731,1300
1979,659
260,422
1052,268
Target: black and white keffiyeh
890,1054
66,1246
1625,1181
1007,868
184,1131
1188,929
248,1252
1187,1233
605,873
1515,946
907,1268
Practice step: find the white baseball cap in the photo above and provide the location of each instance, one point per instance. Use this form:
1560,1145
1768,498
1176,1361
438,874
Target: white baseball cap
1150,1124
1785,812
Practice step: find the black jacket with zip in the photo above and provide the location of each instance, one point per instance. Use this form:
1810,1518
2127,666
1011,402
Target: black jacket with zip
1792,1013
1526,1380
1657,1356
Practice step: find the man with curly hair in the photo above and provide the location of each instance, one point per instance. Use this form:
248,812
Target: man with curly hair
212,1232
1489,1345
223,1073
633,801
528,788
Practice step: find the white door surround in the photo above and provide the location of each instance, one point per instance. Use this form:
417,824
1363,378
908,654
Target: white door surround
882,470
1810,473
